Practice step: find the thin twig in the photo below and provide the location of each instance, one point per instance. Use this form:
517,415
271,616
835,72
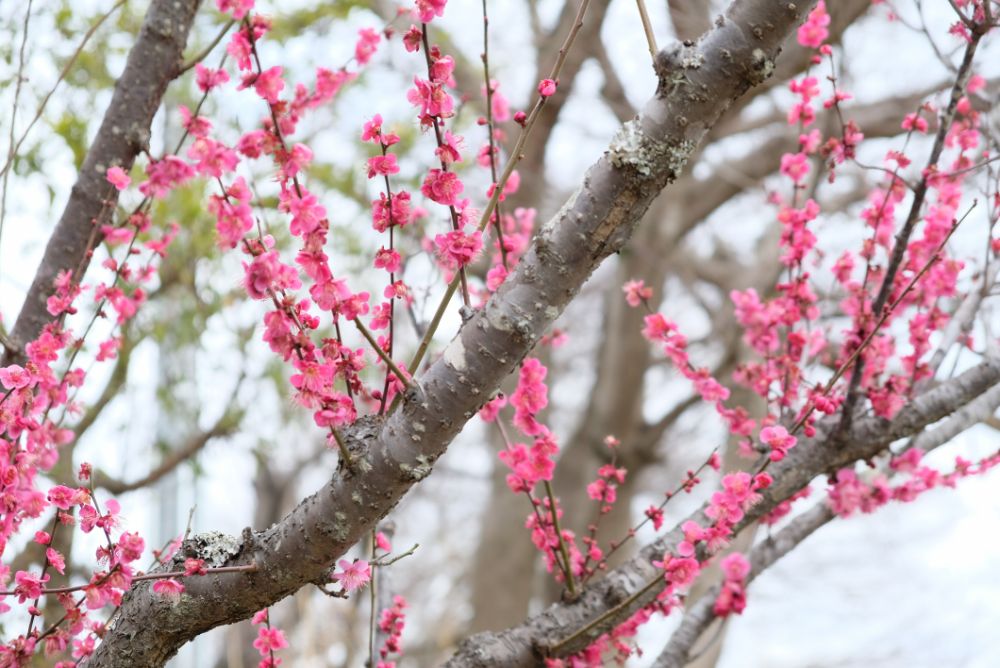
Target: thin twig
512,161
648,28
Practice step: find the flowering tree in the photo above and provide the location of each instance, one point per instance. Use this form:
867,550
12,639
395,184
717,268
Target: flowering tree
825,367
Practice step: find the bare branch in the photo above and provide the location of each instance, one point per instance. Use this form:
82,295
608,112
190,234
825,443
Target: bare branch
697,619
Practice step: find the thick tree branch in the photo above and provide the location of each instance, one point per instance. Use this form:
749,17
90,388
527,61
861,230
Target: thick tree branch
637,582
152,63
696,85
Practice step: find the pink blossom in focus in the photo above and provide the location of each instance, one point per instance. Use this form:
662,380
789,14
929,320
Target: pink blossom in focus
118,178
352,576
170,589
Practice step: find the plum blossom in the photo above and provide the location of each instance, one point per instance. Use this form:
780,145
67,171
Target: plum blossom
637,292
352,576
814,31
366,46
169,588
208,78
237,8
442,187
118,178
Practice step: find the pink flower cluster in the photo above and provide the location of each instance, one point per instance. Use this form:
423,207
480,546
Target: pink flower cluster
732,598
269,640
391,622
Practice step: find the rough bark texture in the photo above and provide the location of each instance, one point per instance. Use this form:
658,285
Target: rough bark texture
152,63
546,634
696,85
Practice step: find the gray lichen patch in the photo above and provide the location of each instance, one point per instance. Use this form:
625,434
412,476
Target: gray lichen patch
692,59
761,66
216,548
633,148
422,469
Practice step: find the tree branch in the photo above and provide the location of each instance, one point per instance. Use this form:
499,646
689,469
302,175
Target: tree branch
637,582
696,85
697,619
153,62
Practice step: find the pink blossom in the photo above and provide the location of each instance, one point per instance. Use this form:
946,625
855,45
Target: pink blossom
83,648
212,158
637,292
431,98
398,214
56,560
735,566
530,397
656,516
814,31
441,69
547,87
118,178
352,575
269,84
427,9
382,165
14,377
366,46
28,585
165,175
237,8
207,78
254,143
500,106
65,498
194,567
528,465
489,411
266,272
679,571
457,248
693,534
795,166
442,187
337,410
169,588
387,259
296,160
372,130
269,640
448,152
307,214
779,440
412,39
